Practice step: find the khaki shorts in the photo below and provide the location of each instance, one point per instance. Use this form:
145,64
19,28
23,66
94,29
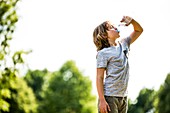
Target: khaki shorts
117,104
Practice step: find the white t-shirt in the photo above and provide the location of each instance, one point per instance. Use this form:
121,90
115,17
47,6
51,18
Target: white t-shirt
115,60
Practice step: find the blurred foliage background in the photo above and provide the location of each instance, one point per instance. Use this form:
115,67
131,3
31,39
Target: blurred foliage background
66,90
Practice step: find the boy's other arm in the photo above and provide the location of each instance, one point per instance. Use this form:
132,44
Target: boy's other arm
103,105
99,82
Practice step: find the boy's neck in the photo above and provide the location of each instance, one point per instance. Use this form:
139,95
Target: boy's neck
112,43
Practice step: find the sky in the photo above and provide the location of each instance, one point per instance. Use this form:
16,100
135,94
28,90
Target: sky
61,30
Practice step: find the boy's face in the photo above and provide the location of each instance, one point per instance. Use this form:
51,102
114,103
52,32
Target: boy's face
112,31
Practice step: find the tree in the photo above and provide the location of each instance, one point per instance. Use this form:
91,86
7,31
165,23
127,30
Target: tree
21,99
144,102
68,91
162,101
35,79
15,96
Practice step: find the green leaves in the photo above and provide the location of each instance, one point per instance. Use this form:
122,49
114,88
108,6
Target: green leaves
162,102
4,106
5,93
144,102
150,101
17,57
15,95
62,91
1,56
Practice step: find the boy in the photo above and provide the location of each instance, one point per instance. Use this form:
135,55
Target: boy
112,58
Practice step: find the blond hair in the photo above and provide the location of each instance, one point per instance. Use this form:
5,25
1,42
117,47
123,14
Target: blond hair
100,38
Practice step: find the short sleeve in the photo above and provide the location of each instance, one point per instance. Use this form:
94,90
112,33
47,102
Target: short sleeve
101,60
126,41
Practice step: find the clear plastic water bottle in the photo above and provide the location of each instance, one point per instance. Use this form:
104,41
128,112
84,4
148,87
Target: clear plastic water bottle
121,27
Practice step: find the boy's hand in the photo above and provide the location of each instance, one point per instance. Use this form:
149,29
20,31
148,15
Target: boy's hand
104,107
127,20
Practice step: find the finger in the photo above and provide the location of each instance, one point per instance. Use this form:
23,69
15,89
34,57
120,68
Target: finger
104,110
126,24
101,111
108,107
123,19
